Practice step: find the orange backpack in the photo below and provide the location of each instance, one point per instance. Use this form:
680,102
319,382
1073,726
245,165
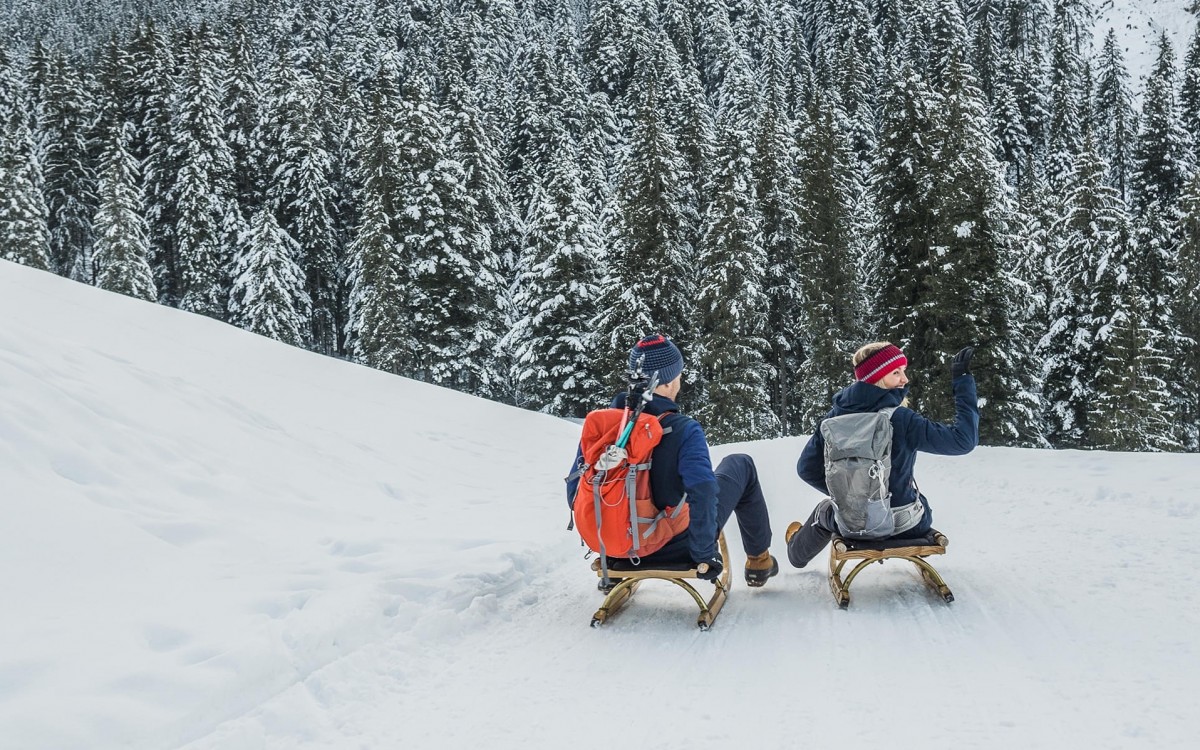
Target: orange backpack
614,512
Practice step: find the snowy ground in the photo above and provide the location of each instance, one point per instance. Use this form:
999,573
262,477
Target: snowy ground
210,540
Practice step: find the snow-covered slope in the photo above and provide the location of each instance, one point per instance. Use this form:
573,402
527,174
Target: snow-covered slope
209,540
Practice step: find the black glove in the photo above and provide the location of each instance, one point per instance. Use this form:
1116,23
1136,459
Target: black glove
710,568
961,364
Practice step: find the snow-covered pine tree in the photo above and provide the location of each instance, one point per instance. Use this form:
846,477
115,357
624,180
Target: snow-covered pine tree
968,296
679,24
300,191
452,271
203,189
10,90
902,184
856,64
380,331
947,41
38,75
649,284
1069,38
1132,408
532,139
473,145
751,22
10,96
354,43
113,97
24,233
1012,140
798,62
122,247
1091,232
1033,277
1114,120
987,59
1024,31
489,35
1189,95
152,62
732,346
356,55
420,23
1187,313
307,27
776,182
1025,24
560,364
593,120
1161,144
65,117
691,120
241,105
268,295
827,313
717,47
199,234
1160,165
609,41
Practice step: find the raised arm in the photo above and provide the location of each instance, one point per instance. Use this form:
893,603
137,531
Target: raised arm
951,439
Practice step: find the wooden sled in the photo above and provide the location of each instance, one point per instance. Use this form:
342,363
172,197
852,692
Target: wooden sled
632,577
843,550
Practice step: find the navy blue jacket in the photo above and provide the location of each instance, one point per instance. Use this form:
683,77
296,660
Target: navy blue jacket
681,466
910,433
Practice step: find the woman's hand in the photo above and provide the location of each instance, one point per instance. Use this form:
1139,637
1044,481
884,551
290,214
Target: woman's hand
961,364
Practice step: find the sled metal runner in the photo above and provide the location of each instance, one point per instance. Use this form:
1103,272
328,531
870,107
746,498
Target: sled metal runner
842,551
632,577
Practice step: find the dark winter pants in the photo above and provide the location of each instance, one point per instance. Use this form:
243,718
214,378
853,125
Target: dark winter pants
738,493
813,536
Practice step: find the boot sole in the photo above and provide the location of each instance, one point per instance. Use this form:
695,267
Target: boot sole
758,578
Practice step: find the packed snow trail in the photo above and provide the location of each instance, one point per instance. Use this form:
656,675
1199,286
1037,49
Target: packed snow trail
211,540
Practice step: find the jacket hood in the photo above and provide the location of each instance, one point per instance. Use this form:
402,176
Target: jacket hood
863,397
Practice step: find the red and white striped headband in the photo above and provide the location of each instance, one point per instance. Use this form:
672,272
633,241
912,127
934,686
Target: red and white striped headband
881,363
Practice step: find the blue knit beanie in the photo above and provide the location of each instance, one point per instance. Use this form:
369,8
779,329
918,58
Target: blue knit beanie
657,352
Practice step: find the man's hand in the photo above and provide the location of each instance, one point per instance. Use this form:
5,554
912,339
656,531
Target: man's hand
961,364
710,568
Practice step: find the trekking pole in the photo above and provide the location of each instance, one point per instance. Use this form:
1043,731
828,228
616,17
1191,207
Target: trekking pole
634,377
643,397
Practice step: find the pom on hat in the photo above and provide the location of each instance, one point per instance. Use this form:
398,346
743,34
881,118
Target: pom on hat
657,353
881,363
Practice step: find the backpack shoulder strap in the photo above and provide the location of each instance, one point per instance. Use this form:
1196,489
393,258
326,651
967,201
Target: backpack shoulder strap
675,418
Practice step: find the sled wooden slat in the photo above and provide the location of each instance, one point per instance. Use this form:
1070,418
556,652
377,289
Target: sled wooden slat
621,593
841,551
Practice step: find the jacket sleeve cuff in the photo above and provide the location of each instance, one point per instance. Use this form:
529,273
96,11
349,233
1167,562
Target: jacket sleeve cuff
702,529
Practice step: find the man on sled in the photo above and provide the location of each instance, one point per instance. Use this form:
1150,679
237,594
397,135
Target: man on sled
643,490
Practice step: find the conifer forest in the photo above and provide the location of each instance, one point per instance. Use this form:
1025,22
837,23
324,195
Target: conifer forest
501,196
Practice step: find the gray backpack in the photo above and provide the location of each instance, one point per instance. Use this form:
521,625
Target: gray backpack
858,464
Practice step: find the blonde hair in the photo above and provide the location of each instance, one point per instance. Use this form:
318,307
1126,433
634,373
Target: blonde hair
866,350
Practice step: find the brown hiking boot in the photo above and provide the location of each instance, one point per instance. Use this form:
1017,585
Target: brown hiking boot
792,528
759,568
